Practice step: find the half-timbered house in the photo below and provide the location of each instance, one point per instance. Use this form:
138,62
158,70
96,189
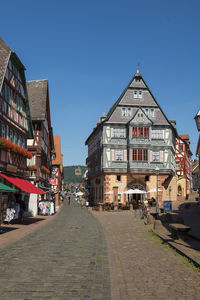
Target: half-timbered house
183,166
15,124
132,147
57,172
42,145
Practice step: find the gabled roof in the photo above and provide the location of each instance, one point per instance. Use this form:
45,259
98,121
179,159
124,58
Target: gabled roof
140,119
5,53
184,137
38,95
126,99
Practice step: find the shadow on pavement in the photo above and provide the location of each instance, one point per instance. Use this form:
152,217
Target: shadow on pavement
6,229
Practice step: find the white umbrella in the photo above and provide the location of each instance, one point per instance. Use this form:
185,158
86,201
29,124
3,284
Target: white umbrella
111,193
135,191
154,190
79,194
108,193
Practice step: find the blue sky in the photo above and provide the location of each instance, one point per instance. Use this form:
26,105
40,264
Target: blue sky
89,50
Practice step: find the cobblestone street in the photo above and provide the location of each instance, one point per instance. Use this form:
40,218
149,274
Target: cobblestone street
65,259
141,267
68,259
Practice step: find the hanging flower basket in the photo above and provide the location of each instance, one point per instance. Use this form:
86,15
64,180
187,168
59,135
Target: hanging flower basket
6,144
45,170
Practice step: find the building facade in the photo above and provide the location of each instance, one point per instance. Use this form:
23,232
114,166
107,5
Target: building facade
197,120
15,126
183,166
133,146
57,179
42,145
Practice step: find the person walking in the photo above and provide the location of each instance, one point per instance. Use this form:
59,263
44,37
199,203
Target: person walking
69,200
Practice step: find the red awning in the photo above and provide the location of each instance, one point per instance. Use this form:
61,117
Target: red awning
23,184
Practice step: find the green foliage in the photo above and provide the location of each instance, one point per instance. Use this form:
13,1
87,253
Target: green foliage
70,176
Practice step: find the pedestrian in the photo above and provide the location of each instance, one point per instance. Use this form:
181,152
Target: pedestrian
69,200
87,204
21,211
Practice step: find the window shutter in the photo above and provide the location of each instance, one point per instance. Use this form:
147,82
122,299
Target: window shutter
150,155
161,155
125,154
113,155
111,132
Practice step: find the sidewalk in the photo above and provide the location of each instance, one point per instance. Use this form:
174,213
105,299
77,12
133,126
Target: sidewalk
12,232
140,266
189,213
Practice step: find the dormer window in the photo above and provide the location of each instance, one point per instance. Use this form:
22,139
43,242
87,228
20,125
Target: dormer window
123,112
150,112
137,94
126,112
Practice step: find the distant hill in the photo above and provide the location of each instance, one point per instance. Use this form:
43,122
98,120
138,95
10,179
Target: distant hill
73,174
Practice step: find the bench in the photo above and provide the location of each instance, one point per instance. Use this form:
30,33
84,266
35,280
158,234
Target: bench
179,231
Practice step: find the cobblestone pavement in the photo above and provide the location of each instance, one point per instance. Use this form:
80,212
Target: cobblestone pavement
140,266
65,259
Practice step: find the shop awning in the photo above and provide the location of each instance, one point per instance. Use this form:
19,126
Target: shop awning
6,188
23,184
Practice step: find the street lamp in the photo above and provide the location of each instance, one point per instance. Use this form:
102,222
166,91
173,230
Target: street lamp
197,120
157,204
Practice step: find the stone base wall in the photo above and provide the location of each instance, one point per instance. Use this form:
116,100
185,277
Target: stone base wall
103,186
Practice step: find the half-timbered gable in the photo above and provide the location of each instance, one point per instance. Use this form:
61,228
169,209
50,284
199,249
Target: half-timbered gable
15,122
183,165
41,145
136,138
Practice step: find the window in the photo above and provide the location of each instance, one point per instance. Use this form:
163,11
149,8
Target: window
140,132
140,155
155,155
156,134
7,92
123,112
119,132
181,148
11,136
137,94
150,112
3,130
119,155
118,177
126,112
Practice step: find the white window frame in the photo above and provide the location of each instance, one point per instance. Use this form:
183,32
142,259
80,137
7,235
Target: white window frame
157,134
135,94
156,156
119,155
123,112
126,112
119,133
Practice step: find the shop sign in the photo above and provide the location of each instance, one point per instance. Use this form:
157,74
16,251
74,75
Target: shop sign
78,171
52,181
11,168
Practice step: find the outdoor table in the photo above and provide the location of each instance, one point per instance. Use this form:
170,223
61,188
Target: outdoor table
179,230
